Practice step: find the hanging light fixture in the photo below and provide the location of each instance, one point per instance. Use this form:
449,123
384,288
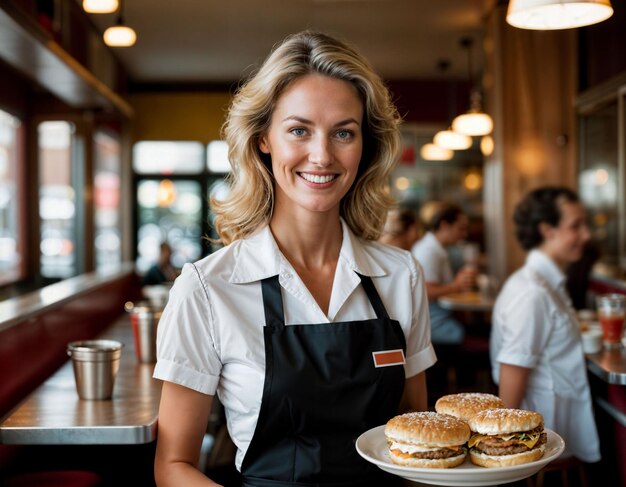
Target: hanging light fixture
120,35
432,152
474,122
450,139
100,6
557,14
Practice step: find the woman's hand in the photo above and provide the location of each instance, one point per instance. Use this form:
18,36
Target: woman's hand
183,418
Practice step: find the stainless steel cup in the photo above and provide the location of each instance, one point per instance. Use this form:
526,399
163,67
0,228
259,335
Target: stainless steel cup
96,363
144,319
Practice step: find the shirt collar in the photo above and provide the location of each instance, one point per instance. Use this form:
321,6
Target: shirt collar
546,267
259,257
432,240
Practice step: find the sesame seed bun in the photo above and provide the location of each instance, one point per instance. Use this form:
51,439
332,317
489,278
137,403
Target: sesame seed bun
427,428
430,463
490,461
499,421
467,404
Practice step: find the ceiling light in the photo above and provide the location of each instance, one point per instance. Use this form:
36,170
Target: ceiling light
474,122
486,145
432,152
557,14
449,139
120,35
100,6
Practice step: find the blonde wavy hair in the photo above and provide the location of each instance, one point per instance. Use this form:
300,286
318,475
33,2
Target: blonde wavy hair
251,198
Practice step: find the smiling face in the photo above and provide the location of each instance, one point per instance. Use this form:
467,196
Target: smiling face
565,242
315,143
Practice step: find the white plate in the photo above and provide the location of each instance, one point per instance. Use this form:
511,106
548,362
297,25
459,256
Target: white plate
372,445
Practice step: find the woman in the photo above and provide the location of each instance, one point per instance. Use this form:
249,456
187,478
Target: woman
401,229
284,322
536,352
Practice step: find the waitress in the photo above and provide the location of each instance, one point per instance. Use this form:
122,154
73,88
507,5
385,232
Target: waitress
307,329
536,350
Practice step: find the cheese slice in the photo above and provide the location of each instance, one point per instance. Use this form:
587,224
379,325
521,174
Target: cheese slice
530,443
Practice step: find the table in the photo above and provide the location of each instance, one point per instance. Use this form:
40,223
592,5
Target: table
466,301
53,414
609,365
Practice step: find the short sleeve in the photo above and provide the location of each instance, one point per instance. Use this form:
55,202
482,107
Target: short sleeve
420,352
430,263
186,350
524,328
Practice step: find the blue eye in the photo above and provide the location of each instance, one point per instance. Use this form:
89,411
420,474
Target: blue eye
344,134
298,132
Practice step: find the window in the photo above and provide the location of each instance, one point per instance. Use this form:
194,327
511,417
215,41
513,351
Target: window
174,183
11,243
107,168
164,157
57,200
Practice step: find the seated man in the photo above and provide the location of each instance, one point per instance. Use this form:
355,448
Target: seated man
447,226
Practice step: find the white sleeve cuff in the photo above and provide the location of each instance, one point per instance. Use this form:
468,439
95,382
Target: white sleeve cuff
185,376
420,361
519,359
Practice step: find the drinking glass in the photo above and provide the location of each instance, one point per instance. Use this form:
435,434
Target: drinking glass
611,313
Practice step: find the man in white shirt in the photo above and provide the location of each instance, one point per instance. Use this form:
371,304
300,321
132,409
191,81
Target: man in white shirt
447,226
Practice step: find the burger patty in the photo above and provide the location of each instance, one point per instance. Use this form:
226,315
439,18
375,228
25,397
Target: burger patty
437,454
497,446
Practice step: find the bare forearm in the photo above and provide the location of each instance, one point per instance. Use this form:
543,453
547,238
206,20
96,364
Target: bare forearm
415,397
513,383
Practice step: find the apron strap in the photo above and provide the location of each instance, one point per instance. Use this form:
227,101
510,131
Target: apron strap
272,301
374,297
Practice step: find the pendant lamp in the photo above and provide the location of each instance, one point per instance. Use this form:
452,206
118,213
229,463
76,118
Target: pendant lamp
100,6
557,14
432,152
450,139
474,122
120,35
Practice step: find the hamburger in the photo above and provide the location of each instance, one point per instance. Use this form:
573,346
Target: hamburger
505,437
467,404
427,440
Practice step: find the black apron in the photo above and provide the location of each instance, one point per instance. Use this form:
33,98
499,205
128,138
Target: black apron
321,391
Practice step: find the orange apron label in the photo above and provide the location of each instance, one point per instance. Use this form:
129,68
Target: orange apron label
387,358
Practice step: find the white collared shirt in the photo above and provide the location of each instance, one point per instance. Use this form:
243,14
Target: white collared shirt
210,336
434,259
535,326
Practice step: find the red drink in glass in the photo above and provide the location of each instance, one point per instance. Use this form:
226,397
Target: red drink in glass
611,312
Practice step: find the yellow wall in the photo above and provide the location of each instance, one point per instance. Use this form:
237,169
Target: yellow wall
178,116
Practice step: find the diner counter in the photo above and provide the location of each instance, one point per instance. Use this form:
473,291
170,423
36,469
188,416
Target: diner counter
54,415
609,365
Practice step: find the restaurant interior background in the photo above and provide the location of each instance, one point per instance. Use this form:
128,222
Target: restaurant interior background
106,151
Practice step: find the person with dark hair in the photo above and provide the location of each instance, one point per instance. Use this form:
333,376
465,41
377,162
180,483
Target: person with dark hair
447,226
402,228
535,347
308,330
161,271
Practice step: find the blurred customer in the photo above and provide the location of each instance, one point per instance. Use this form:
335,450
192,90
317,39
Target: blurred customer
447,226
402,228
536,352
162,271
